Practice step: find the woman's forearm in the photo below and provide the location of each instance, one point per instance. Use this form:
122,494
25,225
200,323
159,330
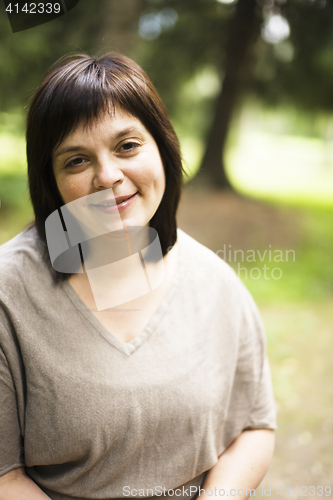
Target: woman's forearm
242,466
16,485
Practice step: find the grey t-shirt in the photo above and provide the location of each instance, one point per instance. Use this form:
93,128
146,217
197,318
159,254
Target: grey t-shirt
91,417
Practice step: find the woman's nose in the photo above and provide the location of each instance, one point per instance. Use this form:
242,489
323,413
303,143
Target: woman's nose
107,174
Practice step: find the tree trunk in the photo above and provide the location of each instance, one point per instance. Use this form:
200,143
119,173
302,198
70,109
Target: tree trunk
119,29
244,29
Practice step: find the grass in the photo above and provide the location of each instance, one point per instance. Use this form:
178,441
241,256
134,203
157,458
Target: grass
299,338
304,272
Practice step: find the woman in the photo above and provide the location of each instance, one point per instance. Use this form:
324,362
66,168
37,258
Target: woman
167,390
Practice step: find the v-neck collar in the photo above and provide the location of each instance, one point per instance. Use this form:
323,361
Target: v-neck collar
129,348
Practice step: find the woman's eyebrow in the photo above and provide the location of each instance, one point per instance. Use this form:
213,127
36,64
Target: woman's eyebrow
68,150
126,131
119,134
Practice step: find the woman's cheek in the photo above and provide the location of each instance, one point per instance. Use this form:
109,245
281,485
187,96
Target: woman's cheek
74,186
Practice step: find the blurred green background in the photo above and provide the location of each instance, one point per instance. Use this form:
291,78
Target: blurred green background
248,85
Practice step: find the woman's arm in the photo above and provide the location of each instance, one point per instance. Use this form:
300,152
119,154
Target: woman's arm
16,485
242,466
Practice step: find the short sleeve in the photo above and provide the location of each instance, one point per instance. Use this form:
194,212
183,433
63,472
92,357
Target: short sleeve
263,412
251,404
11,443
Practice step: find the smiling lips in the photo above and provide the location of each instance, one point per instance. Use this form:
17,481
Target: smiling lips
118,205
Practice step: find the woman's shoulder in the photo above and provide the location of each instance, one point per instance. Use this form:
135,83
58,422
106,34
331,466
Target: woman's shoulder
198,256
213,290
25,243
19,258
201,266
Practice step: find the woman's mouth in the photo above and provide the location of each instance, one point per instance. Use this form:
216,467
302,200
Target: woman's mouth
119,204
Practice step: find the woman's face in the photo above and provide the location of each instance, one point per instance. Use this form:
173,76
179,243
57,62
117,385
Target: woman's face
117,153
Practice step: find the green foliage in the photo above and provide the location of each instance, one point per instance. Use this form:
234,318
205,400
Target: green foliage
299,70
172,59
25,56
196,40
13,191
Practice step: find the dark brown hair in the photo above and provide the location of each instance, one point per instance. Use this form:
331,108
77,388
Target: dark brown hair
76,90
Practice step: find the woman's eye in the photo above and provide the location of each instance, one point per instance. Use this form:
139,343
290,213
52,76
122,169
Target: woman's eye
129,146
75,162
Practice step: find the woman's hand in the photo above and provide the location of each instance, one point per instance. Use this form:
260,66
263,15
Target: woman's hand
16,485
242,466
